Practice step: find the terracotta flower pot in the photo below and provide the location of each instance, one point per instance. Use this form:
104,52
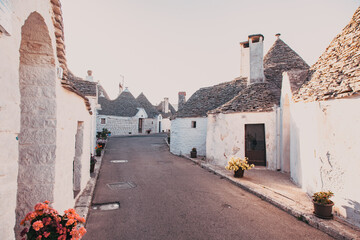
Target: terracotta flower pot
323,210
239,173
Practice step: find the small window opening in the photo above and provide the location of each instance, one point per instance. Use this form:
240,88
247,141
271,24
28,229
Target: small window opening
103,120
193,124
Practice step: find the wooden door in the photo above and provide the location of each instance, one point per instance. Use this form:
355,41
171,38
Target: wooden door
255,146
140,125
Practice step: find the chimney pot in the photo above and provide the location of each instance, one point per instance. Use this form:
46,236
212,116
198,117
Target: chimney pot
278,35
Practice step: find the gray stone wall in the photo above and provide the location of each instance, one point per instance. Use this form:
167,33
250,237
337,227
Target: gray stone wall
37,138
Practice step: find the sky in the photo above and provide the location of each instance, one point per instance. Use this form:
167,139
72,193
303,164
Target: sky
161,47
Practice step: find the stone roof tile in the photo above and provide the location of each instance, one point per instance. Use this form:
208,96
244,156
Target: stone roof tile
171,112
149,108
209,98
125,105
87,88
336,74
261,97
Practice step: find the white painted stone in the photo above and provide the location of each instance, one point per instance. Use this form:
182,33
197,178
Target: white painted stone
324,151
183,137
63,110
165,125
226,136
127,125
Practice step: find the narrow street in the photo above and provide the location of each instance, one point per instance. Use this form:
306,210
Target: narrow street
163,196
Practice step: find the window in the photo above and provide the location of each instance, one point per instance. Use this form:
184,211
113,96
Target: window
193,124
103,120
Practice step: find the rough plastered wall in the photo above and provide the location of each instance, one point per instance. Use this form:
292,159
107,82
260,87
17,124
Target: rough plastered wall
183,137
325,151
226,136
165,125
10,107
71,111
118,125
150,124
93,102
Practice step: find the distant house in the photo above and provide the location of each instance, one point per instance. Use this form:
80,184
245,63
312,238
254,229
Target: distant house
167,111
150,123
324,120
189,126
121,116
249,124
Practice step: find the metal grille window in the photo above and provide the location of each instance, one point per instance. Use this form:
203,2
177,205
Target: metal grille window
103,120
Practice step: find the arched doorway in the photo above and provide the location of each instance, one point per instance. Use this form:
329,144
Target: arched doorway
37,138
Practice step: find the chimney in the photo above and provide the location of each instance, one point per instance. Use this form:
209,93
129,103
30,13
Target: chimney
252,57
165,106
277,35
182,100
89,77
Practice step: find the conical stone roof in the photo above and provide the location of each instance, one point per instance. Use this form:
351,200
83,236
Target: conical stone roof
209,98
145,103
125,105
336,74
261,97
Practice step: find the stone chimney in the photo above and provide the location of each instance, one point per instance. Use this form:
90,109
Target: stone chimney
89,77
165,106
182,100
252,56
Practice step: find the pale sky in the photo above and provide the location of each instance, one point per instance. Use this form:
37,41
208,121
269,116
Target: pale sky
162,47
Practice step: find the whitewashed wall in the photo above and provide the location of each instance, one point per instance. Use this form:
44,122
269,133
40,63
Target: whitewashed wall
10,109
150,124
165,125
183,137
324,151
70,110
118,125
226,136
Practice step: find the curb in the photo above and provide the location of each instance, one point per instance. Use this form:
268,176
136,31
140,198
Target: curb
333,228
84,199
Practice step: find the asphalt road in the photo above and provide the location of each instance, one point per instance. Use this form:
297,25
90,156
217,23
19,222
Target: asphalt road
169,197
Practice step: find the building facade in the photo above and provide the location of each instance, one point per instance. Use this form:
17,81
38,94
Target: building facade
324,124
45,120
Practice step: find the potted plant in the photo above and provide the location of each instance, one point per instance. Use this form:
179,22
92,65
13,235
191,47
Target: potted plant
239,165
323,205
193,153
46,223
92,163
98,150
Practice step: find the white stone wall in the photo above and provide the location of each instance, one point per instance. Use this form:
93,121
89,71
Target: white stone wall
150,124
226,136
324,151
183,137
10,109
118,125
165,125
71,110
